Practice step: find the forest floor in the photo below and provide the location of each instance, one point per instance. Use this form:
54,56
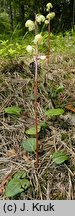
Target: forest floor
17,88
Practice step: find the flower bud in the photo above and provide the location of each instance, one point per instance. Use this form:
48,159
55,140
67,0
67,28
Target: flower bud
49,5
46,22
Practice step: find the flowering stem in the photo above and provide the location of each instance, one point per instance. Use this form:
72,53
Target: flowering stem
48,55
36,104
48,42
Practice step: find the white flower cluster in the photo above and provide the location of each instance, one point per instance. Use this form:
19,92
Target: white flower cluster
38,39
40,18
49,5
30,25
50,16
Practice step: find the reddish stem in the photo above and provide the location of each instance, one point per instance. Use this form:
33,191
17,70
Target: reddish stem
36,94
36,107
48,42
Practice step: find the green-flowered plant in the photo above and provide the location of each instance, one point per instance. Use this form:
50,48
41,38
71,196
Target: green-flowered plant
38,39
31,144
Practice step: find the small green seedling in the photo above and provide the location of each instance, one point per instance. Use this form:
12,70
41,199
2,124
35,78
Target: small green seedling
60,89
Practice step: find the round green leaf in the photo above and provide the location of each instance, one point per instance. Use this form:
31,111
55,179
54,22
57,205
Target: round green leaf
59,157
29,144
32,130
13,188
13,110
54,112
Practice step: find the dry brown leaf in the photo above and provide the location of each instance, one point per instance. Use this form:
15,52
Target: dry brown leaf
26,159
5,180
70,108
1,190
11,153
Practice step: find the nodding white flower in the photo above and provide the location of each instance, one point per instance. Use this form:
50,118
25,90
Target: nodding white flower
30,24
50,16
40,18
29,49
38,39
49,5
43,57
46,22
